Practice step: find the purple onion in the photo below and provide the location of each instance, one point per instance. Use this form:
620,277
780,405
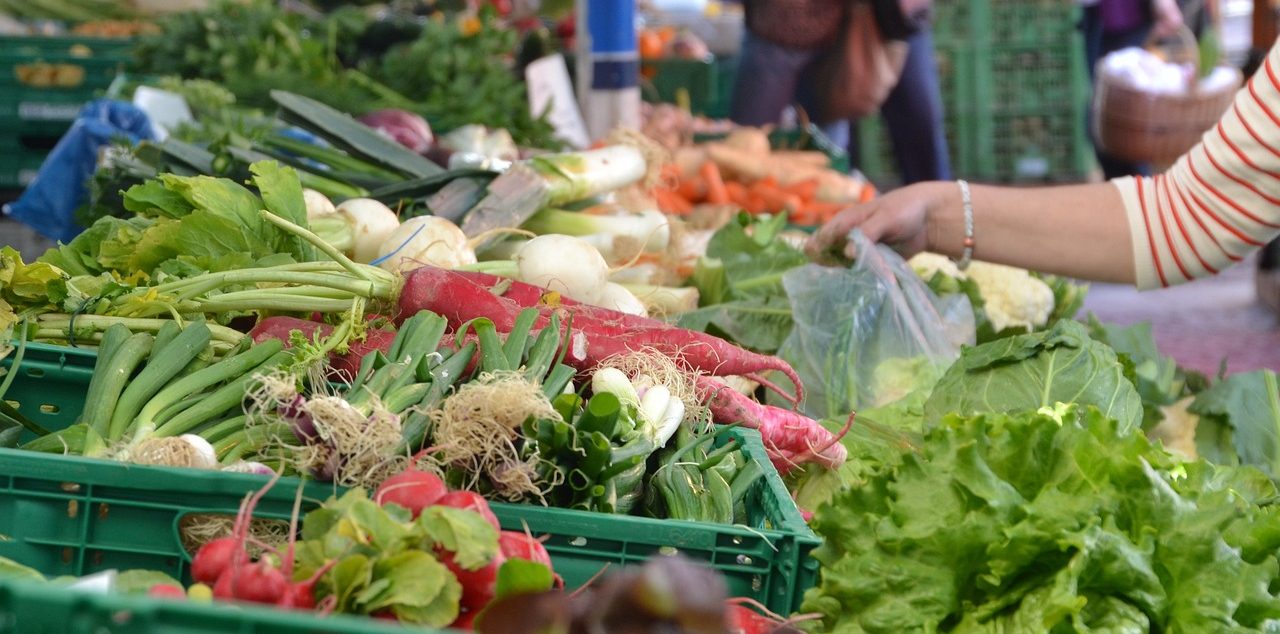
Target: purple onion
294,413
405,128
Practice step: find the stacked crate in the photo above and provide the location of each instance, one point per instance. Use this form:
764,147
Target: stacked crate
44,81
1015,92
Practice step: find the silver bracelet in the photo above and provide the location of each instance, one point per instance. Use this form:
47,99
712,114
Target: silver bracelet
966,256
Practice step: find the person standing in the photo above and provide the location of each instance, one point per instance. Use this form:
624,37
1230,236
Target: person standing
782,46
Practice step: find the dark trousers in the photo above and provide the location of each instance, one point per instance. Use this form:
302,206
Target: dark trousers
1097,44
772,77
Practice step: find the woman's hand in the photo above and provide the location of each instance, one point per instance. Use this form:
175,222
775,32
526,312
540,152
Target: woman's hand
899,219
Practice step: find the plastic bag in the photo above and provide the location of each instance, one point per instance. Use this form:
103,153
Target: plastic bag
869,335
49,203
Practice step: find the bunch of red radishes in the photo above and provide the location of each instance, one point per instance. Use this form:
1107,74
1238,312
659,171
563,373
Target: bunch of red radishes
225,565
419,490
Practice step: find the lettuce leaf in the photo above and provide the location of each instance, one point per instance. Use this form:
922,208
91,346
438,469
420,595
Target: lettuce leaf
1240,421
187,225
1038,522
1027,372
740,284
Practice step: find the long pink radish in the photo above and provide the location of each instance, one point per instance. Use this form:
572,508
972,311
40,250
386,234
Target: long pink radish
790,438
461,297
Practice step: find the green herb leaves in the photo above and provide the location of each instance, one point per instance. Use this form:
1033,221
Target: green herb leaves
1032,522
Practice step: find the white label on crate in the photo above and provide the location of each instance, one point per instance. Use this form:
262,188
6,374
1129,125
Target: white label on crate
548,84
39,111
27,176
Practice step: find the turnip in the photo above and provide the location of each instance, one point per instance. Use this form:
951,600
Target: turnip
318,204
567,265
371,224
425,240
617,297
187,450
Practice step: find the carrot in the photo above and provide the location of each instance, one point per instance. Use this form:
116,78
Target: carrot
805,189
692,189
671,202
823,211
776,198
867,194
737,193
755,204
804,217
716,192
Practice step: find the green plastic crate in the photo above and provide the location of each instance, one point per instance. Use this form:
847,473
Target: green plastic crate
96,62
33,608
51,382
662,79
92,515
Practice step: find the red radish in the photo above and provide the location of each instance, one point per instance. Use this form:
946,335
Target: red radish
300,596
258,582
223,588
461,297
215,557
347,364
743,620
789,437
472,502
478,586
517,545
385,615
413,489
167,591
466,621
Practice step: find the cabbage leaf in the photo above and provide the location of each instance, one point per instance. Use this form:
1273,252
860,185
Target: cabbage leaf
1031,371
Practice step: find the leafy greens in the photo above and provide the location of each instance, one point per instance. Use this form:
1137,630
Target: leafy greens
1027,372
1035,522
740,284
1239,421
186,225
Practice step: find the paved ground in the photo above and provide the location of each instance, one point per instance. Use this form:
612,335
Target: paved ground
1201,323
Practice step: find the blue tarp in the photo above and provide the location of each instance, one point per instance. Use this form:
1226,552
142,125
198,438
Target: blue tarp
61,185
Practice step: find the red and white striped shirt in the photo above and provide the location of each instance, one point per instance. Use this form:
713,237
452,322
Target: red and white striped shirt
1220,201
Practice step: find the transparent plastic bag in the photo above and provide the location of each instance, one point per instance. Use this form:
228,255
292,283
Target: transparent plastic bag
871,334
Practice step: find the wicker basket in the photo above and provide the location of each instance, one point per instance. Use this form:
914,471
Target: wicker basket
1142,127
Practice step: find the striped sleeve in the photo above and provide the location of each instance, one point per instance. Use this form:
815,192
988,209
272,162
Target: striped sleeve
1219,201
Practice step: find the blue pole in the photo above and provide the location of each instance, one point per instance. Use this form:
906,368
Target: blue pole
612,94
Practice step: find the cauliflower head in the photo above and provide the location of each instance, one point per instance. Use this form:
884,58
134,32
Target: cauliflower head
1012,296
926,264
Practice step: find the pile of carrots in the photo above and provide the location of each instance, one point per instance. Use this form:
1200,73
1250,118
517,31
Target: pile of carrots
678,195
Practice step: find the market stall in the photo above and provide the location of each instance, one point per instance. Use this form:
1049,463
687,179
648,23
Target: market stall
345,329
